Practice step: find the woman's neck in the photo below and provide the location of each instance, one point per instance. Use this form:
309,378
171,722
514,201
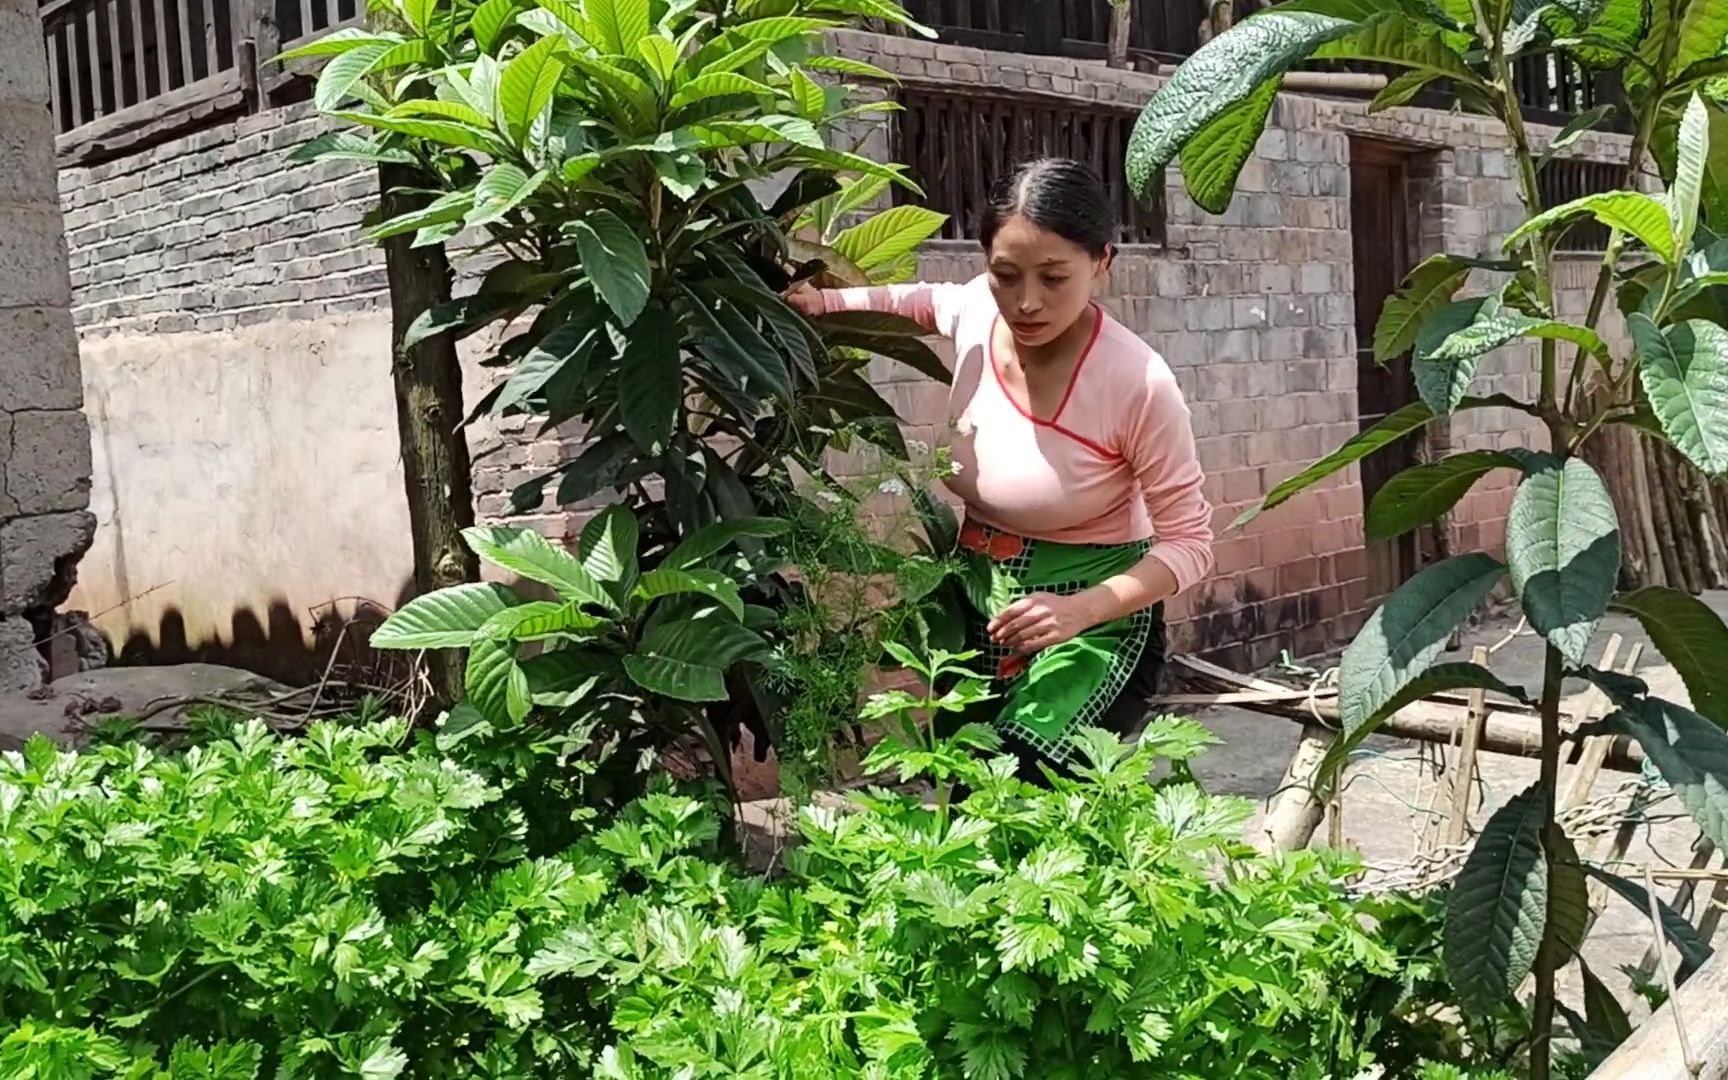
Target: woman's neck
1064,346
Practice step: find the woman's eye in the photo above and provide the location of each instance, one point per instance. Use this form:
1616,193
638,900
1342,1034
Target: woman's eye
1055,282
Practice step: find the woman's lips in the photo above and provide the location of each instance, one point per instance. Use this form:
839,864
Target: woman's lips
1029,328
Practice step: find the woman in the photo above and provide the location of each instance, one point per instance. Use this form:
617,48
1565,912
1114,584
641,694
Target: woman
1076,464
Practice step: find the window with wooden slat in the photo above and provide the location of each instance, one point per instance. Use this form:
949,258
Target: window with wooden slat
957,145
1560,182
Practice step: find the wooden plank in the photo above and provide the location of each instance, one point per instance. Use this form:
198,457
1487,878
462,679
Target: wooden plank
116,67
212,48
184,26
76,79
152,121
1464,769
1653,1051
140,55
307,26
56,90
164,49
1515,733
1589,767
93,59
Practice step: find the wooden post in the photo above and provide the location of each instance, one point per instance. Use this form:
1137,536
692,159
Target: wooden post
1653,1051
1464,770
1121,31
1295,810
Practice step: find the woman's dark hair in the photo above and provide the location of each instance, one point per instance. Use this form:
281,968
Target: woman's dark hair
1057,195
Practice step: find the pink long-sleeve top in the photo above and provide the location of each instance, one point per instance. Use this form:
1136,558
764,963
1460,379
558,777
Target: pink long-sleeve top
1115,464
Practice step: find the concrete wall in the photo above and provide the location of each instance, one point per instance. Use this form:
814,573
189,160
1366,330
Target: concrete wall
44,444
232,322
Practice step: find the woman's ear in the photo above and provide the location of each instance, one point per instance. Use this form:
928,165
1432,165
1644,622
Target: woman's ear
1104,263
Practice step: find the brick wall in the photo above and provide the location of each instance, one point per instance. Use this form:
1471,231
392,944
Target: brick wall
204,245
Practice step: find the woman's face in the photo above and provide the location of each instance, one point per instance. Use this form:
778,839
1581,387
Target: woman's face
1042,282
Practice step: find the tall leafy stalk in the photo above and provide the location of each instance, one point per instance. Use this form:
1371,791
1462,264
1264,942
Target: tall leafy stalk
1519,907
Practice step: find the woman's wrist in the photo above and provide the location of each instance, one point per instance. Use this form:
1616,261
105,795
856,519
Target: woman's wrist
1098,605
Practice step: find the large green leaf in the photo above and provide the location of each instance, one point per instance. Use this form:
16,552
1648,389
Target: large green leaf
501,190
615,260
461,316
1680,932
686,659
1497,910
1687,192
608,545
494,684
344,40
1397,39
717,84
337,82
733,343
1685,375
563,353
446,619
710,540
1692,638
651,384
1439,679
1689,751
1563,548
439,132
1410,418
1443,378
1568,898
1213,159
564,678
1425,290
1401,90
1222,73
1632,212
665,581
527,553
1605,1017
351,146
888,236
887,335
1507,325
491,19
790,330
450,207
601,466
1408,632
526,87
1421,494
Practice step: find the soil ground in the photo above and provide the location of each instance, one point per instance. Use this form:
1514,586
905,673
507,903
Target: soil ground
1390,787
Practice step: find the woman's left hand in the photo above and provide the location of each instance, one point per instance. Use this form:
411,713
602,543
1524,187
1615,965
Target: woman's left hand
1038,621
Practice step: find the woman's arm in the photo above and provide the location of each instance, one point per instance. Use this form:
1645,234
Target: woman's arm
936,306
1160,448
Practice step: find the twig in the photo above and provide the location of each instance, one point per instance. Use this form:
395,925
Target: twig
92,618
1693,1067
163,705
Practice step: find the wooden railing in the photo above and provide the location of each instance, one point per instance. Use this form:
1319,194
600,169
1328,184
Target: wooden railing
120,69
1161,29
127,73
957,145
1165,31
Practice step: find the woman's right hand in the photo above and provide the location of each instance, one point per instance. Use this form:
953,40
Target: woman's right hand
806,300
